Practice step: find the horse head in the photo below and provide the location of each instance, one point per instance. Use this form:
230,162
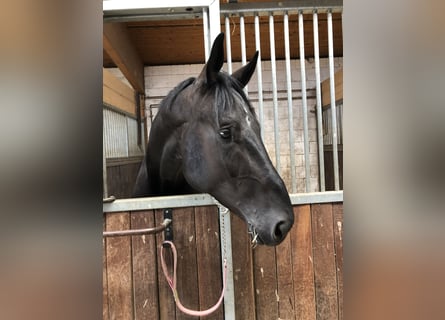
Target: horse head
213,145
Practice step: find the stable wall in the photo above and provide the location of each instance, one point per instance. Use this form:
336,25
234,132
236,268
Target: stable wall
302,278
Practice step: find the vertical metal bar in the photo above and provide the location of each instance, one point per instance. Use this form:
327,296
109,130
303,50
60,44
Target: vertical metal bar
107,132
259,73
228,45
116,136
319,110
113,143
289,102
304,98
243,39
214,26
128,139
205,25
333,107
137,99
104,168
143,128
243,45
214,22
340,123
226,253
126,146
274,92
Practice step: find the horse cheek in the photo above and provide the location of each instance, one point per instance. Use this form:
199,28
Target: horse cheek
197,168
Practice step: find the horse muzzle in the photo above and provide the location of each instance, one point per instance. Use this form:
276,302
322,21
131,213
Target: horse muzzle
271,234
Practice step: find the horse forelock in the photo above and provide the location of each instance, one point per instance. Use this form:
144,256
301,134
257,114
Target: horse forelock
229,95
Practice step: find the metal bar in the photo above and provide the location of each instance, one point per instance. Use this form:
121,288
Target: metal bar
243,40
143,128
274,92
205,25
318,99
316,197
168,231
259,73
116,5
224,226
104,169
333,107
340,123
127,141
304,100
306,6
214,19
228,45
125,146
149,203
225,231
104,129
138,98
112,18
243,45
197,200
110,129
117,137
109,199
289,102
137,232
136,10
119,8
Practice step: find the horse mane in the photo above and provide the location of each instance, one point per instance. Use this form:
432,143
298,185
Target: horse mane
169,100
223,87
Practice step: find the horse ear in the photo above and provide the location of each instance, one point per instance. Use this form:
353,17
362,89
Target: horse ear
244,74
215,62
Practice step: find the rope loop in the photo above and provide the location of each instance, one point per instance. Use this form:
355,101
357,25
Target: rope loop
172,283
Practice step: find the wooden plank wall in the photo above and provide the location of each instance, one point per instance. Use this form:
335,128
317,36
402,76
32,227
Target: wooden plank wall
117,94
121,178
302,278
329,167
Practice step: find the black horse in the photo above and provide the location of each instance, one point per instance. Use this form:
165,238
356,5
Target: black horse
206,139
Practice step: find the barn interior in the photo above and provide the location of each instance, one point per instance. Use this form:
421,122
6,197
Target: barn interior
136,40
146,52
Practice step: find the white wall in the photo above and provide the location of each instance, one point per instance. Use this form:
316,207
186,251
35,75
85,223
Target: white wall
159,80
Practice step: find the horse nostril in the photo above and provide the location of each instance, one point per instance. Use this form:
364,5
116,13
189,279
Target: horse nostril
280,231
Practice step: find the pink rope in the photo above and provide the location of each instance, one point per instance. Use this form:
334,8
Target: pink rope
172,283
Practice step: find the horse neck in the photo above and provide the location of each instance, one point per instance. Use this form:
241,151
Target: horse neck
165,163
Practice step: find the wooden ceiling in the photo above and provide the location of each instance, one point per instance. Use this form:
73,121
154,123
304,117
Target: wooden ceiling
171,42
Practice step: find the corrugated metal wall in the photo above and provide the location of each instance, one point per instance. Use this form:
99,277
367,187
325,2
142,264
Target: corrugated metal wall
120,135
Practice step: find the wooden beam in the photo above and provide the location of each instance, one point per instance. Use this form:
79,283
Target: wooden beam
121,50
118,94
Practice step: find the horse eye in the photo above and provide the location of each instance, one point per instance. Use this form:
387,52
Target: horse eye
225,133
